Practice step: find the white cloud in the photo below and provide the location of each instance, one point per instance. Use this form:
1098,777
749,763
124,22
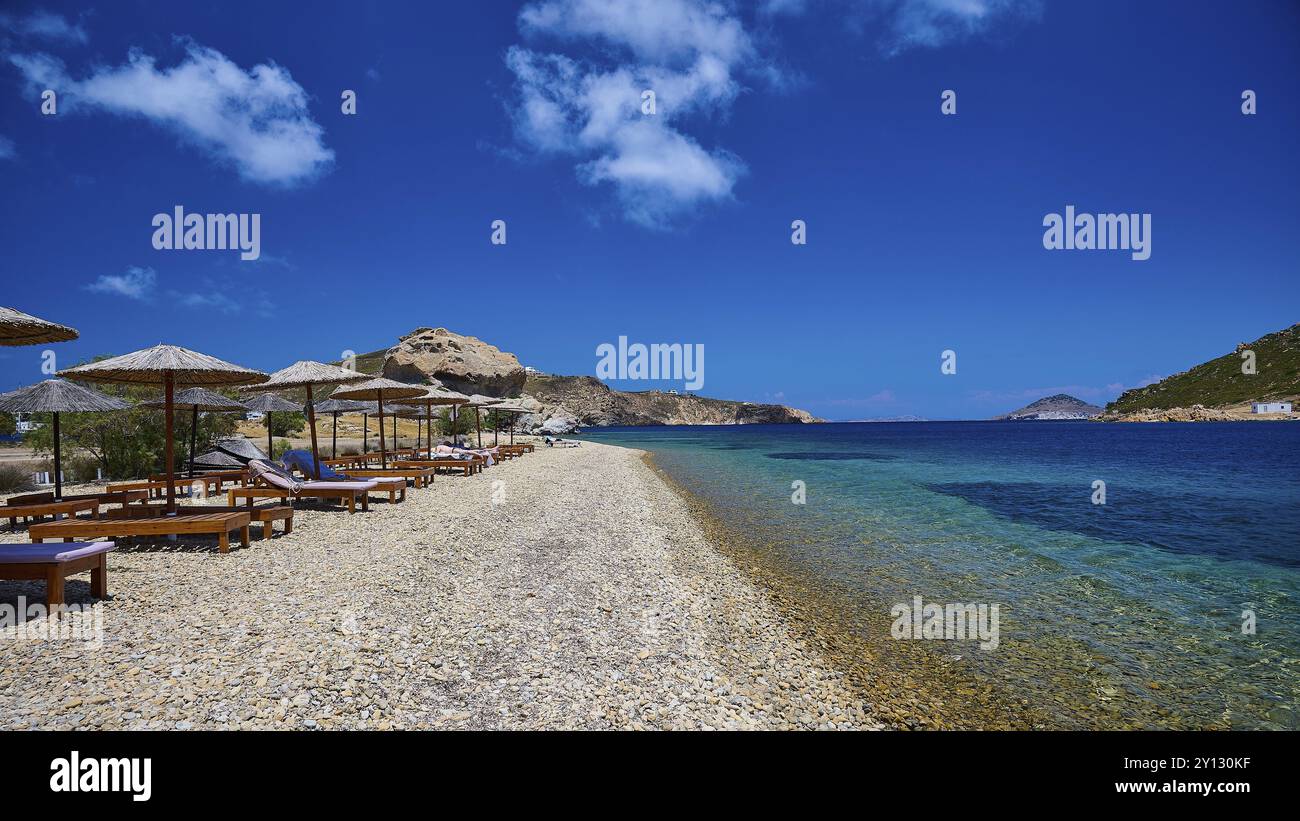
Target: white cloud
256,120
136,283
589,107
933,23
45,25
7,149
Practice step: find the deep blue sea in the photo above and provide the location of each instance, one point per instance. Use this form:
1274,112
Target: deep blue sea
1128,613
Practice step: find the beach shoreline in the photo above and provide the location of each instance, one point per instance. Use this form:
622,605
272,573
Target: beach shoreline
572,588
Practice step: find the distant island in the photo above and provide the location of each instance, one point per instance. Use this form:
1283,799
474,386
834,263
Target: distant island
1223,389
1050,408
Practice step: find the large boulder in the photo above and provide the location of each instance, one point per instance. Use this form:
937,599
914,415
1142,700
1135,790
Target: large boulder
462,363
557,426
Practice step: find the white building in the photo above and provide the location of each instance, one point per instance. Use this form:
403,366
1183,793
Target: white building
1270,407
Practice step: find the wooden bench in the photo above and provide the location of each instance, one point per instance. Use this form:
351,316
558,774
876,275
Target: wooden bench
122,497
469,466
217,477
218,524
55,565
264,515
158,489
39,510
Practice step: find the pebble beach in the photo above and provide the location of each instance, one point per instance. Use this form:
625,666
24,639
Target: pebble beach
568,589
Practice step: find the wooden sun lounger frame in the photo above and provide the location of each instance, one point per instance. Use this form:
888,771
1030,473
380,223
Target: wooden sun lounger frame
39,510
421,477
218,524
469,466
56,573
265,492
264,515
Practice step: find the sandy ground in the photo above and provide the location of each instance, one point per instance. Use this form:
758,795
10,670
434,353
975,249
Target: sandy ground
586,596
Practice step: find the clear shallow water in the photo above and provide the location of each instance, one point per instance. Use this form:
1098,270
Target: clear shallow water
1127,614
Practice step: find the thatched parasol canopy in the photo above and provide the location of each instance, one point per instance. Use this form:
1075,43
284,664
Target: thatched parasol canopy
59,396
18,328
379,389
343,406
306,374
169,365
437,395
270,402
199,399
152,366
55,396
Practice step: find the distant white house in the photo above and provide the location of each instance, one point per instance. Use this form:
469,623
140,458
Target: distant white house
531,370
672,392
26,427
1270,407
254,416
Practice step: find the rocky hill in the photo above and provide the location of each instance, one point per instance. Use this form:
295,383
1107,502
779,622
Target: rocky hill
1220,383
591,402
1060,406
470,365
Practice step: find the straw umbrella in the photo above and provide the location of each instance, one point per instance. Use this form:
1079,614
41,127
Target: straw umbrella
477,402
168,365
335,407
306,374
18,328
269,403
57,396
378,389
436,395
514,409
199,399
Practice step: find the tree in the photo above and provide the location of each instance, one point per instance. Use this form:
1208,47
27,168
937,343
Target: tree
464,422
285,423
7,424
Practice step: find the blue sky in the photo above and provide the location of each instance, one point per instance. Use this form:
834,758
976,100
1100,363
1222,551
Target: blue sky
924,230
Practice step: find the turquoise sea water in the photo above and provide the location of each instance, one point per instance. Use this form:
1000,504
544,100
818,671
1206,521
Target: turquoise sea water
1123,614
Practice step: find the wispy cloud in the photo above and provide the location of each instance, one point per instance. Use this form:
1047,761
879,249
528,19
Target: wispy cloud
44,25
254,120
136,283
8,150
584,99
141,285
907,24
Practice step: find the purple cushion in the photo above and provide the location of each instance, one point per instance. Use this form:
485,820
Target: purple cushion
52,552
307,487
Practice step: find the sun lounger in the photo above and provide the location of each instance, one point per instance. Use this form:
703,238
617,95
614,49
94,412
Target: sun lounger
467,466
420,477
217,524
39,510
280,484
158,487
301,461
55,563
264,515
122,497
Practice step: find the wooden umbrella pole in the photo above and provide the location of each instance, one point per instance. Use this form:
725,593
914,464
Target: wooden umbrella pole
365,433
311,422
58,462
478,427
512,428
169,392
383,454
394,431
334,445
428,416
270,446
194,435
